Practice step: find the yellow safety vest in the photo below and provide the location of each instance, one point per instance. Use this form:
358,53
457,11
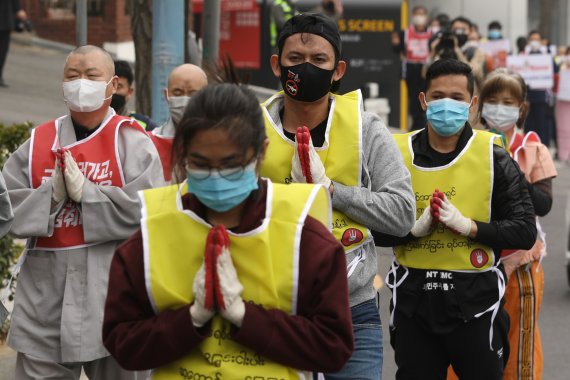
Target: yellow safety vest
266,261
341,156
467,182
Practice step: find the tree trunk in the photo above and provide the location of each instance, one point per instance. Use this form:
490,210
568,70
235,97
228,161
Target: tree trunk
141,27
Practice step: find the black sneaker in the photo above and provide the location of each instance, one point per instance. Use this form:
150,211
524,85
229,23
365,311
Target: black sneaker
3,84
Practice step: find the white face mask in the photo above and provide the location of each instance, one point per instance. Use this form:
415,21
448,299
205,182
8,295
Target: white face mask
84,95
535,45
176,106
499,116
419,20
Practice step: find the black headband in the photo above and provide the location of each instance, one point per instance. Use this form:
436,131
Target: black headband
313,23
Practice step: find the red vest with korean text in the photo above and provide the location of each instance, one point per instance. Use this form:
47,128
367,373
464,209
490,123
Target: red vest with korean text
97,157
164,146
417,45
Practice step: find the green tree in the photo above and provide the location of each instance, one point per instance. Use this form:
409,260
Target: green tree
11,137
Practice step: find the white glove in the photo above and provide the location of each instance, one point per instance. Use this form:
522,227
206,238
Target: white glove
452,218
315,167
200,315
58,192
424,225
232,307
73,178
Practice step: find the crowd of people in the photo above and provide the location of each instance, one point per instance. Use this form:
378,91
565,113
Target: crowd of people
238,240
427,40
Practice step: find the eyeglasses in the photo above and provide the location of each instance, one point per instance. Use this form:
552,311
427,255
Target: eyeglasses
230,174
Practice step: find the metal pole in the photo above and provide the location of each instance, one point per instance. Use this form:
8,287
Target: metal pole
211,31
167,50
81,22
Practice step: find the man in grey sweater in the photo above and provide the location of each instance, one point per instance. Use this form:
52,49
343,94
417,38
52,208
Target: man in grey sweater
349,151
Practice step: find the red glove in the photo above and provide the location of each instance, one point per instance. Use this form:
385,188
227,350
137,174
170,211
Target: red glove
303,138
222,242
435,204
210,269
218,240
60,152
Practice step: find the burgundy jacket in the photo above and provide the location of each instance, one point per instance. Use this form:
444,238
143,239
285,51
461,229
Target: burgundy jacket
319,338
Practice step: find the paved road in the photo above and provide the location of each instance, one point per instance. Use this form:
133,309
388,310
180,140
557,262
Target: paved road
34,75
35,94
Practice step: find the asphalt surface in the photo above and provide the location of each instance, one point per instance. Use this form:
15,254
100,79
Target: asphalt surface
34,75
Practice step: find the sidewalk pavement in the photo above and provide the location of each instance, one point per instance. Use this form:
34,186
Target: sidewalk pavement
7,362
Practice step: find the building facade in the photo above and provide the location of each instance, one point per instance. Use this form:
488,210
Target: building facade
54,20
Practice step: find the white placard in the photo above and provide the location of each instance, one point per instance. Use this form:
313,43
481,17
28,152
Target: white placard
494,47
537,70
564,85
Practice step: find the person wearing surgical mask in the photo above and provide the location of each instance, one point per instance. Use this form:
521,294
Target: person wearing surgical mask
446,278
320,137
73,187
462,28
540,116
231,276
412,44
534,43
183,82
494,31
455,44
125,91
503,109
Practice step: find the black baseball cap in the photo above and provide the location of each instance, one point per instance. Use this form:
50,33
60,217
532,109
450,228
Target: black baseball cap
314,23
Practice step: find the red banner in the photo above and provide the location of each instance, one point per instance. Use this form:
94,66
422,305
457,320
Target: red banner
240,31
227,5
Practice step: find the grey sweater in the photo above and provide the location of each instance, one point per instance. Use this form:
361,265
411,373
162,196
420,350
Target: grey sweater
385,201
6,214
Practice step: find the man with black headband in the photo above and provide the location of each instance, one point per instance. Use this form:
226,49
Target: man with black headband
325,138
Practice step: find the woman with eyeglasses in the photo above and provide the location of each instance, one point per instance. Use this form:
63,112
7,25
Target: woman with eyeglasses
231,276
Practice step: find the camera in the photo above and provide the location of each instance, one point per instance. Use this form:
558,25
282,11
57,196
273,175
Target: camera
446,46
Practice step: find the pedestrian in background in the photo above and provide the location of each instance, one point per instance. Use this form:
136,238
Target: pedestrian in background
331,8
351,153
125,91
10,11
183,82
73,187
281,11
413,46
562,111
537,119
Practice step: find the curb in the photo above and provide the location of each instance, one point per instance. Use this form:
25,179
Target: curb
32,40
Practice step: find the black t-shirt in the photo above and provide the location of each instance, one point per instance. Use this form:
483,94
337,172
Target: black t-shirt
82,132
442,299
317,133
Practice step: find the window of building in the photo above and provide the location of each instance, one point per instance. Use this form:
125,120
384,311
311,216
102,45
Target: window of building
65,9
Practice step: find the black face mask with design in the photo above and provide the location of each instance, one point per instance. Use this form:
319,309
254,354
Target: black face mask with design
306,82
